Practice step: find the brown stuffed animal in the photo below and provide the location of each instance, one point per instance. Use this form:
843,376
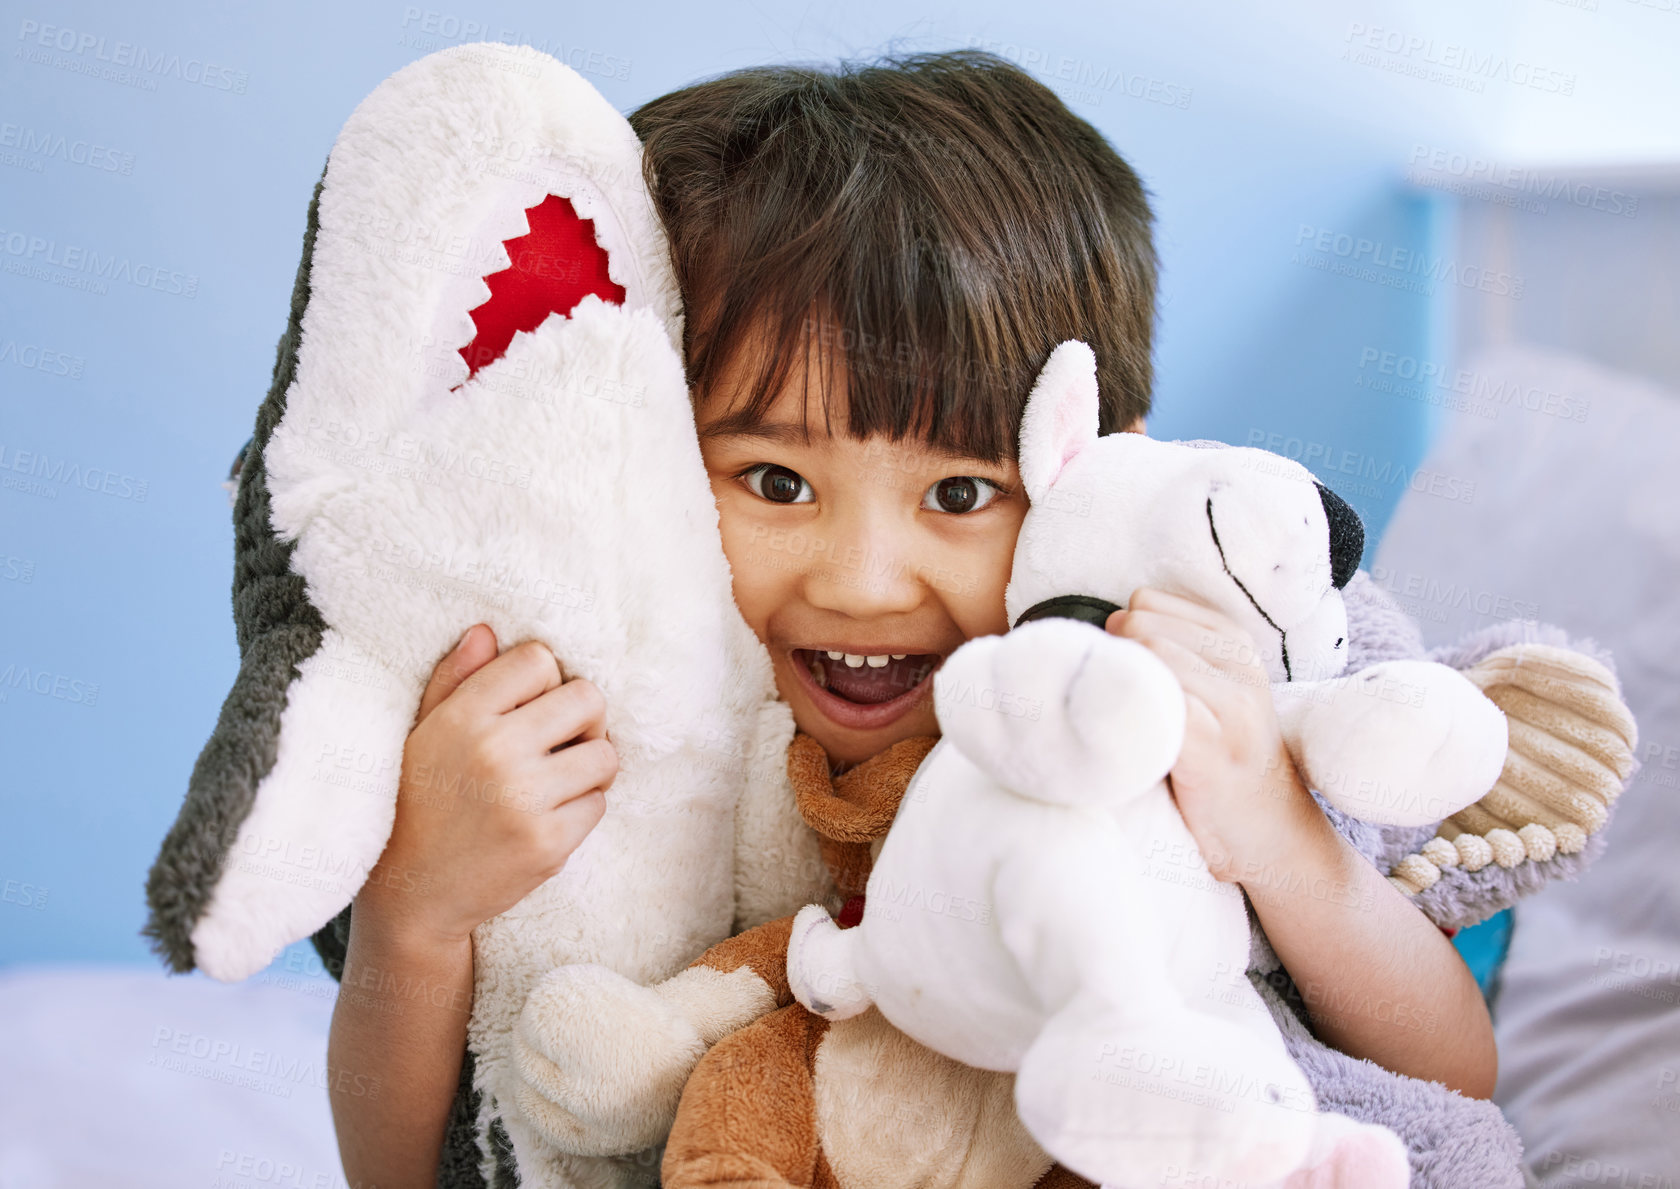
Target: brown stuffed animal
793,1100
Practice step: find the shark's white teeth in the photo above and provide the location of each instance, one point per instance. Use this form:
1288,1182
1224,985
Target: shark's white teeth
455,330
898,656
506,222
492,258
476,292
488,231
876,662
449,368
853,660
834,656
528,194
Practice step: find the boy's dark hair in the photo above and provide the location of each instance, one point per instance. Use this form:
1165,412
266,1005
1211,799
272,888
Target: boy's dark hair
943,218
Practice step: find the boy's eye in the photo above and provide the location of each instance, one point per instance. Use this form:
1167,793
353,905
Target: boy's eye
777,484
960,493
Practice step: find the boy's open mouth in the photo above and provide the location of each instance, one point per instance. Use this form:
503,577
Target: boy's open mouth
863,679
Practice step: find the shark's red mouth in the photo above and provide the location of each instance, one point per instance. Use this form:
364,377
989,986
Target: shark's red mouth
553,266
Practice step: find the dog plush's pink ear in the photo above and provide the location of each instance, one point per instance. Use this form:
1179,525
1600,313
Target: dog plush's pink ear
1061,416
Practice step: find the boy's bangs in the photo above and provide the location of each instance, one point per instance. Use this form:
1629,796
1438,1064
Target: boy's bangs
921,234
872,373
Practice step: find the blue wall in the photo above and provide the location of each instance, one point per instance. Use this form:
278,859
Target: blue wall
1273,160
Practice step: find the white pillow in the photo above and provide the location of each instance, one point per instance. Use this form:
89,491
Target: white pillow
1575,520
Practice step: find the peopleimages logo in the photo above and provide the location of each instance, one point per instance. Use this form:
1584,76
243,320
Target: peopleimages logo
36,472
1089,81
32,255
1469,175
1324,457
36,145
1372,259
1466,390
1448,63
428,30
41,359
40,43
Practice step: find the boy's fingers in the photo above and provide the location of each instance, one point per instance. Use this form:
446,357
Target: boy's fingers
1147,598
1144,625
573,710
523,672
572,820
1231,651
1200,678
1200,722
580,769
475,649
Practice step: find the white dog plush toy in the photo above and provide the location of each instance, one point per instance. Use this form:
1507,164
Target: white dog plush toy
1099,979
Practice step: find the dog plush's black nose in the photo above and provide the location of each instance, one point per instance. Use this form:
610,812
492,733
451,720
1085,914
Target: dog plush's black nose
1347,536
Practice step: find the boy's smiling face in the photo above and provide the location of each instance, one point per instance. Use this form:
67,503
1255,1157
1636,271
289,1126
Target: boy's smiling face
887,555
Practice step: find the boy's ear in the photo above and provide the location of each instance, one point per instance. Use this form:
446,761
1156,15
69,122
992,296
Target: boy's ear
1060,418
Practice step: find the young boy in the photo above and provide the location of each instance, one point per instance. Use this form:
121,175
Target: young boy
875,263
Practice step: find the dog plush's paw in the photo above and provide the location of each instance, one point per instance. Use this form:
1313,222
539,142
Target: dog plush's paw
1350,1155
601,1061
1403,743
820,967
1126,1101
1061,711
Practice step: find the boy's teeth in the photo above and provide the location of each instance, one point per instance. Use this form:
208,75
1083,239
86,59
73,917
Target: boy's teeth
867,678
856,660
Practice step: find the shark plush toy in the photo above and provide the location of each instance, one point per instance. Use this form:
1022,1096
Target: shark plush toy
479,414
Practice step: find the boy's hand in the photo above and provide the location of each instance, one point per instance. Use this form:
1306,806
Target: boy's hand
1377,979
1234,780
502,777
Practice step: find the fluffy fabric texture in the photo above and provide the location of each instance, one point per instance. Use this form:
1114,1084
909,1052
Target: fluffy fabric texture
1380,631
523,294
390,500
1253,534
1008,869
278,628
1050,777
1452,1142
794,1100
546,353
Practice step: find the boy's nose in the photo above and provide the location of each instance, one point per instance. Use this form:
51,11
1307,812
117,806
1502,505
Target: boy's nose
864,573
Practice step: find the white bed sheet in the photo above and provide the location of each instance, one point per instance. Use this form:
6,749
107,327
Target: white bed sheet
123,1076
